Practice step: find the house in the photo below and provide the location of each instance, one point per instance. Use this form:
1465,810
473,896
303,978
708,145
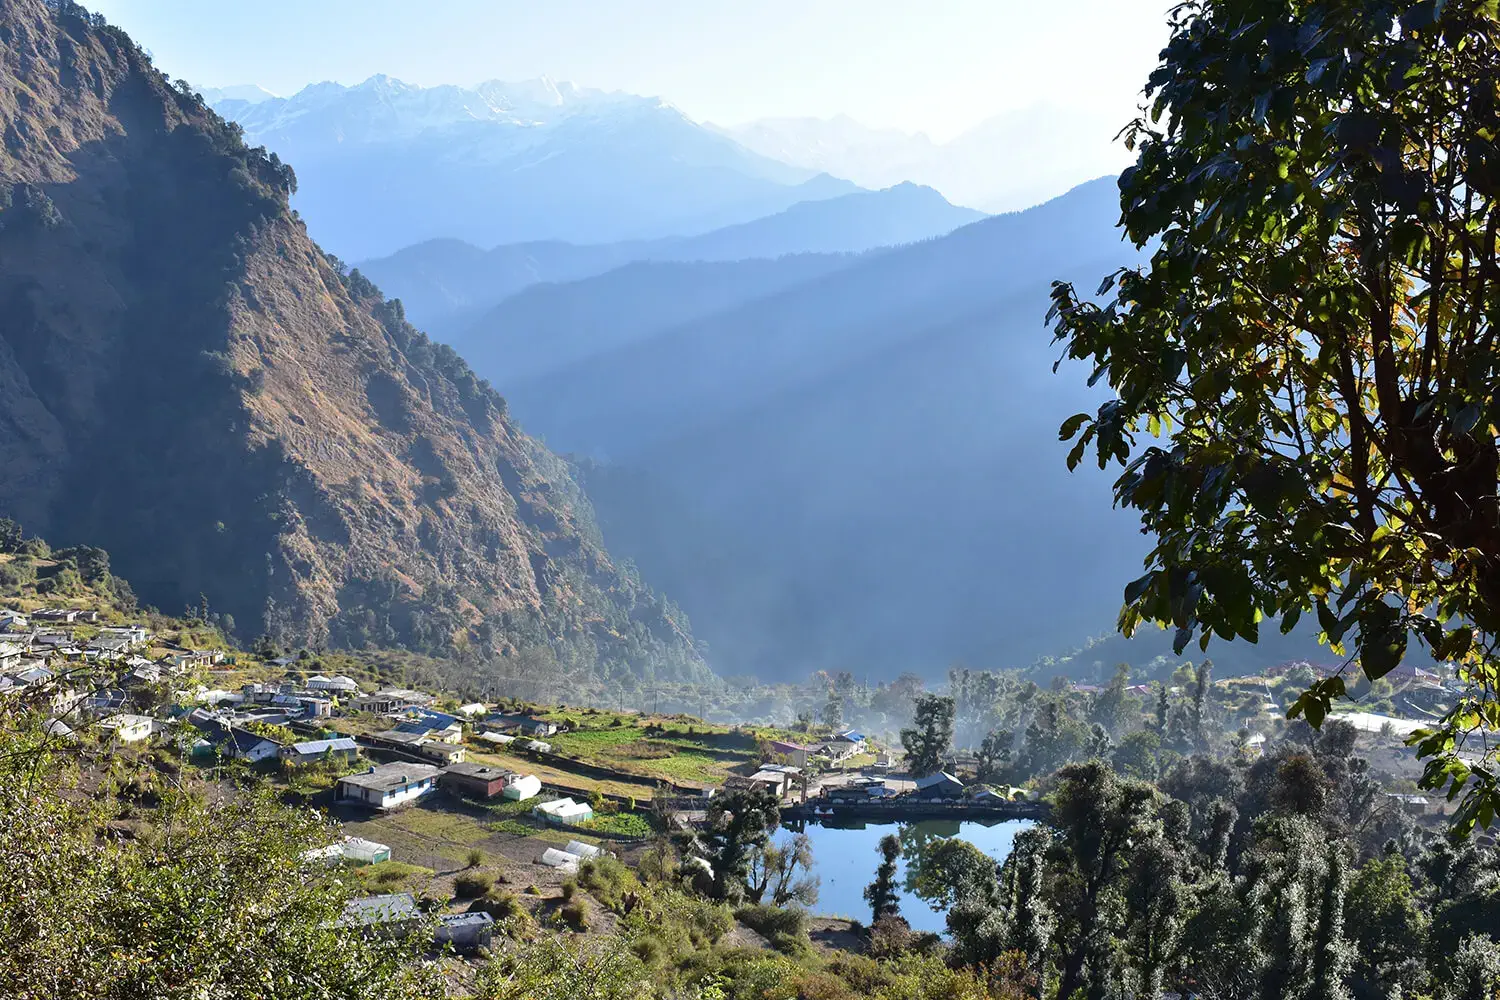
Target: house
393,916
523,787
527,725
133,635
388,701
447,734
388,786
314,707
776,781
853,738
65,616
342,748
794,752
57,728
480,781
109,645
13,621
466,932
33,675
10,654
860,788
472,709
232,741
127,728
939,785
834,750
104,703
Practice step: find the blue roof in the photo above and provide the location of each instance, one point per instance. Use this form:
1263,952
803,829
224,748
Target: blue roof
852,736
418,728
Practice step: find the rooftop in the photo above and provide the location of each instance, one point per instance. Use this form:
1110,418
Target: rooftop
380,910
391,777
484,772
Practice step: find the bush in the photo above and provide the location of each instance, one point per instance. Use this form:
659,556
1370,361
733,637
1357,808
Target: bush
475,857
499,904
576,915
471,885
569,890
889,937
784,927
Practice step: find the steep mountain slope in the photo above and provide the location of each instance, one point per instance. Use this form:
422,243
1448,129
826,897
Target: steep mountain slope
446,284
859,471
383,165
188,381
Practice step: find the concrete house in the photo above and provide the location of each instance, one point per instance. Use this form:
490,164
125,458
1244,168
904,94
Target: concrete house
526,725
232,741
388,786
127,728
480,781
796,753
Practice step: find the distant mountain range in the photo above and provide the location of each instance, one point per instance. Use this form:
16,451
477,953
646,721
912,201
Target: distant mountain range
993,166
384,165
838,463
445,284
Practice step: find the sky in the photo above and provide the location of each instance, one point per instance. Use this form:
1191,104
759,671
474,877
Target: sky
939,66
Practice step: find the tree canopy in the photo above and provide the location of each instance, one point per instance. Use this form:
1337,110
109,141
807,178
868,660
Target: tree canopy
1304,375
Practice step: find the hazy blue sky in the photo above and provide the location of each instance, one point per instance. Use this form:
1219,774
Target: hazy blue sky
937,66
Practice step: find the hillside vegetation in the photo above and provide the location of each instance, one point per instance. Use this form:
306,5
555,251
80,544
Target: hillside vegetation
190,382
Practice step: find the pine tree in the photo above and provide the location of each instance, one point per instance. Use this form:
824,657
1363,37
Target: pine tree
881,894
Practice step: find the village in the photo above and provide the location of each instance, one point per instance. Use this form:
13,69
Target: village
421,787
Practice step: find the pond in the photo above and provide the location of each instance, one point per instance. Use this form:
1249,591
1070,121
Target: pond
845,858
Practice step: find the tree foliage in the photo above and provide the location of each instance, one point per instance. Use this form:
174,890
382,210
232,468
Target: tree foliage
930,735
1305,373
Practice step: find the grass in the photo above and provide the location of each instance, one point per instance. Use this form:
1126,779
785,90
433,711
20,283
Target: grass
626,824
452,827
706,755
641,790
391,876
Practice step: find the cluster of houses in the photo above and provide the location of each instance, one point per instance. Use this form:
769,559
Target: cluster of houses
835,750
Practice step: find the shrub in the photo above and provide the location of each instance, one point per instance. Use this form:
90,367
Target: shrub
500,904
784,927
576,915
532,890
889,937
569,890
475,857
471,885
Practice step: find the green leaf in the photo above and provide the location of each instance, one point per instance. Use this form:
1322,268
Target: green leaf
1071,425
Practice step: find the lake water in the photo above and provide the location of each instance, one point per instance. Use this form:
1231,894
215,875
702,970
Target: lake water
845,858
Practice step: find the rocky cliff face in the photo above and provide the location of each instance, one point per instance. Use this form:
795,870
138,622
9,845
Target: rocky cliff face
187,380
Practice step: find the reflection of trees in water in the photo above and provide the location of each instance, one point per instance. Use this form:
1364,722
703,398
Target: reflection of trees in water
917,841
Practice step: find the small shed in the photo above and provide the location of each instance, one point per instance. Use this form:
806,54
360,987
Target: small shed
466,932
561,860
523,787
365,852
583,850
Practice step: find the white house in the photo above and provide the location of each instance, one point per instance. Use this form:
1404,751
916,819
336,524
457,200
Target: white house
564,811
127,728
389,785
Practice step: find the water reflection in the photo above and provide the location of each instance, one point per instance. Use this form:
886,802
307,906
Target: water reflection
845,856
